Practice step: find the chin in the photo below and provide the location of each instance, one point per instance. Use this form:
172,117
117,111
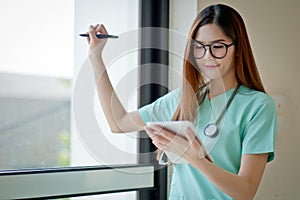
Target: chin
213,76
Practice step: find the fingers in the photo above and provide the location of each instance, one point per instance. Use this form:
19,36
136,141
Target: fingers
88,38
169,141
157,139
93,30
190,135
192,139
154,134
164,132
101,29
92,34
195,143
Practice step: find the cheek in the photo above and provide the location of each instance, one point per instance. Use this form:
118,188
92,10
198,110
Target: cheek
231,56
199,64
228,61
196,64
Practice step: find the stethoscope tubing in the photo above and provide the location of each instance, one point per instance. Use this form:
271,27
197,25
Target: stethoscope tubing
211,129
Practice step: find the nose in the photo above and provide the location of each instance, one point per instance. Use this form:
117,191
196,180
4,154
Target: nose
207,55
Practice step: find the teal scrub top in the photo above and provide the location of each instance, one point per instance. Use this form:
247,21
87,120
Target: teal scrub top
249,126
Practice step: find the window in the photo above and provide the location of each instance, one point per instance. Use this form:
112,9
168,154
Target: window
36,70
41,59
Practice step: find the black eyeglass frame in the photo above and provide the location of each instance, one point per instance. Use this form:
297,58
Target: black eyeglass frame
209,46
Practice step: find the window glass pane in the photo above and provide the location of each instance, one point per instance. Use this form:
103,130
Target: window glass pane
38,71
41,57
37,37
34,128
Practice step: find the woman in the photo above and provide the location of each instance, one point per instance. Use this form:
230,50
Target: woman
218,64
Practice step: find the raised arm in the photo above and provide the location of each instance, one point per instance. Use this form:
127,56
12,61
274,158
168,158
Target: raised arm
118,118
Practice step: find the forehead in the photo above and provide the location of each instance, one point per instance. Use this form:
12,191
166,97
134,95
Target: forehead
209,33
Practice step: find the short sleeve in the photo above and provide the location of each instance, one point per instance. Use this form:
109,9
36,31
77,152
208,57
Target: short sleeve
260,131
162,109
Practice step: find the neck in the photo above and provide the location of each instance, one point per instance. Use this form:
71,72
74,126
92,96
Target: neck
217,87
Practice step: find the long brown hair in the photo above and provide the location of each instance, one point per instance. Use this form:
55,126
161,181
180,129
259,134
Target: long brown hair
233,26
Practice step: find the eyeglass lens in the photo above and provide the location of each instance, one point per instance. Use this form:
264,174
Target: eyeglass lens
217,50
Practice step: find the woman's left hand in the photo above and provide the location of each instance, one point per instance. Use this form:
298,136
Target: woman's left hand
188,147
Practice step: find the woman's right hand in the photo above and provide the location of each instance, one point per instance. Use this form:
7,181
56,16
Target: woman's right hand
96,44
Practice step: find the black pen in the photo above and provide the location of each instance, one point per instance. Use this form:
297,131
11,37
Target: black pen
100,36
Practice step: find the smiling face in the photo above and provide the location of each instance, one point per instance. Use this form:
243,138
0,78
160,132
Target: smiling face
213,68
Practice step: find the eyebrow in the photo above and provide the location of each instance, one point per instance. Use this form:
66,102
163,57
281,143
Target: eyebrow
214,41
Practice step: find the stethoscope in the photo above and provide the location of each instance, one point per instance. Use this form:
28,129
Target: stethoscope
211,129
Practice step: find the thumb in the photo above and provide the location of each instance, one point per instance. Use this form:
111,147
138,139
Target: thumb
190,135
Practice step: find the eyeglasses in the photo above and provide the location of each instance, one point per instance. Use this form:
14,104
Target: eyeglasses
217,49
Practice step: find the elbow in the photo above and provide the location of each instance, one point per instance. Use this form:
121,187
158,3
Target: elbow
244,196
116,130
247,194
252,190
251,194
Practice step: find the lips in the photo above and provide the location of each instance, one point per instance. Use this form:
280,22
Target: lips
212,66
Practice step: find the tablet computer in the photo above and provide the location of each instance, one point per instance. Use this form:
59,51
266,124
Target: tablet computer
177,127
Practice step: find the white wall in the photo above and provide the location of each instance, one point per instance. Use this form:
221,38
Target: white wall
273,27
182,14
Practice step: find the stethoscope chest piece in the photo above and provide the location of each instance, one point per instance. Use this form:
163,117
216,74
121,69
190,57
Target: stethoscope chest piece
211,130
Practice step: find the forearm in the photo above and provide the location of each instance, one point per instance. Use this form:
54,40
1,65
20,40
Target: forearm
119,120
235,186
239,187
110,103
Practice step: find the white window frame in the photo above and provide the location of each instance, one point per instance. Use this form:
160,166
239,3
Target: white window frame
74,181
